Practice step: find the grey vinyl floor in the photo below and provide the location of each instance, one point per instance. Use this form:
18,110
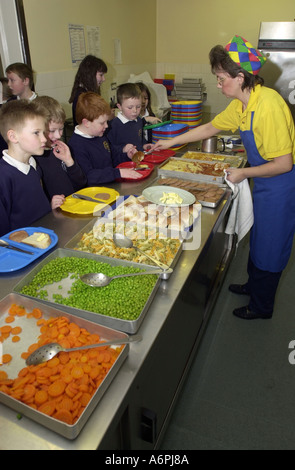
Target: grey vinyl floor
240,391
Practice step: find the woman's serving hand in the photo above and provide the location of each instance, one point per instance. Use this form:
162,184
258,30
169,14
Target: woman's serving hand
235,175
161,145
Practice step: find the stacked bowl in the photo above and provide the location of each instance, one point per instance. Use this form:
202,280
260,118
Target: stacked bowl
168,132
187,112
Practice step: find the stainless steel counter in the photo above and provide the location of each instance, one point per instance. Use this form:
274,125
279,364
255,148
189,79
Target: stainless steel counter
134,411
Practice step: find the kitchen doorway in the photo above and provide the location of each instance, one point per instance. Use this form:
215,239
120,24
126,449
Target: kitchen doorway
14,45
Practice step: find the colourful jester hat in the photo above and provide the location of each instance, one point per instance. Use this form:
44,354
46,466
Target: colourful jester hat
244,54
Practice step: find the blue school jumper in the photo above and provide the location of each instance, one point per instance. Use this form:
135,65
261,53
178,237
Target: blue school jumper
57,178
95,159
130,132
22,199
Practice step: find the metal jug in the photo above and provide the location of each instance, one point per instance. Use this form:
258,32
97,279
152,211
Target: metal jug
210,145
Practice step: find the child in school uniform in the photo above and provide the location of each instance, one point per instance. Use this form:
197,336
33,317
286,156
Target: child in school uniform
91,148
5,91
146,112
5,95
21,81
127,127
22,199
60,173
90,75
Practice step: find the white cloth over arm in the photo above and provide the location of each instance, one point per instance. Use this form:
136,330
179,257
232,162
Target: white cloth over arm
241,217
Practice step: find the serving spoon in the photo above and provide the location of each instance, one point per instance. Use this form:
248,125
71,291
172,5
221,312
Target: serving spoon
124,242
102,280
48,351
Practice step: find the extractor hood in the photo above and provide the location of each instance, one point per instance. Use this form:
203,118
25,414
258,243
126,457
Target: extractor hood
277,35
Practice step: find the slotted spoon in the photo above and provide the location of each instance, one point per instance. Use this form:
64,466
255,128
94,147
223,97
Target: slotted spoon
48,351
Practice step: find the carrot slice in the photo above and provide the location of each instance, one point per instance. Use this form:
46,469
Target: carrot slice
20,382
85,398
23,372
6,382
74,329
77,372
3,375
86,368
13,309
25,355
29,392
66,403
6,329
53,362
56,388
41,396
44,372
48,408
37,313
64,415
15,339
95,371
16,330
6,358
63,357
21,311
9,319
33,348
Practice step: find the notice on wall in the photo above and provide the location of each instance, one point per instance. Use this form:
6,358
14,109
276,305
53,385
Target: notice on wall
93,39
77,41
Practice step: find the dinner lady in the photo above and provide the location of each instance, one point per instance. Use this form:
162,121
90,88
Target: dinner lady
268,134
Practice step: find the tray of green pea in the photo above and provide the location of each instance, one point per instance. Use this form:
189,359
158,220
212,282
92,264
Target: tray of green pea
122,305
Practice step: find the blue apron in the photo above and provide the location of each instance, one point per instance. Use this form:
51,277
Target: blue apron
273,230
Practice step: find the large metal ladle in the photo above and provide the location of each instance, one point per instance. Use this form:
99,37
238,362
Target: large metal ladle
124,242
48,351
102,280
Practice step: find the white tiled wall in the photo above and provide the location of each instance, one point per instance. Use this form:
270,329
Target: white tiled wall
59,84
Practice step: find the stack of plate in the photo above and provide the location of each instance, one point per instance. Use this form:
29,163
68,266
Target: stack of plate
187,112
168,132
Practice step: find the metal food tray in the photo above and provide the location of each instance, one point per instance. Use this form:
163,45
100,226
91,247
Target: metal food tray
182,234
128,326
213,205
233,160
71,245
187,175
29,336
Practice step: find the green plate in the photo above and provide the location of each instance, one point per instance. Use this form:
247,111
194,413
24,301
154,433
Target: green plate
154,194
152,126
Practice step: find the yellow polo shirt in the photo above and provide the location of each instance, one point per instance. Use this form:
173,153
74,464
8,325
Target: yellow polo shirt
273,125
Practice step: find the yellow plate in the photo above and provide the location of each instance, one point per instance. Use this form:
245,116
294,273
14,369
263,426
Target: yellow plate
82,207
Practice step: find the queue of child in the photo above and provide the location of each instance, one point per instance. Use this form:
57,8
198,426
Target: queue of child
37,169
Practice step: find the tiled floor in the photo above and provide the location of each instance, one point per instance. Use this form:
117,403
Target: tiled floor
240,392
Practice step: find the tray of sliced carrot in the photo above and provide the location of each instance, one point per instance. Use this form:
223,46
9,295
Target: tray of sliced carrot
61,393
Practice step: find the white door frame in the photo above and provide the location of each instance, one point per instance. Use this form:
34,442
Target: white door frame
10,40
